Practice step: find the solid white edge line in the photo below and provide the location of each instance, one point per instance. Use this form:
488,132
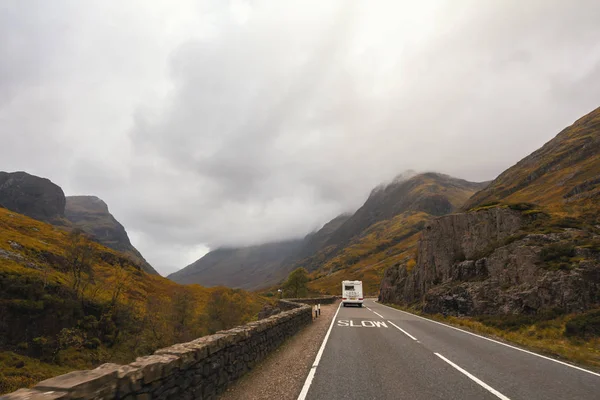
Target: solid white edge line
495,341
475,379
313,368
403,331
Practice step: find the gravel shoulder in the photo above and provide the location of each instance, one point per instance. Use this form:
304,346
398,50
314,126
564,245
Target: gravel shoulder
282,374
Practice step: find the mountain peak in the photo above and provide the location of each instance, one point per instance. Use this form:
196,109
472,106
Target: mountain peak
33,196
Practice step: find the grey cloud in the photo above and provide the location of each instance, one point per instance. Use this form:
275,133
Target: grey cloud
232,123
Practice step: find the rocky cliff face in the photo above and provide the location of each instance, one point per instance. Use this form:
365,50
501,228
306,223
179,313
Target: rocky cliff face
91,214
485,262
32,196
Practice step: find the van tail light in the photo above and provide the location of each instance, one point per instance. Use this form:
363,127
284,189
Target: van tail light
344,298
360,298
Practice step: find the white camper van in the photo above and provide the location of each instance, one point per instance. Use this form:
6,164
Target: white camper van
352,293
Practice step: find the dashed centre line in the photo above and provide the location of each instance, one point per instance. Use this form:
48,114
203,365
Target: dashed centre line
403,331
380,316
474,378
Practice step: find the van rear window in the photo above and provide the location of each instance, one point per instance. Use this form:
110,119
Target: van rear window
348,287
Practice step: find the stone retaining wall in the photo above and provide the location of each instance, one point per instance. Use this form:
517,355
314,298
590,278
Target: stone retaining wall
196,370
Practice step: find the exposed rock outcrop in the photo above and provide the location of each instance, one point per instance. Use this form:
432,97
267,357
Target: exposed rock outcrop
481,263
91,214
30,195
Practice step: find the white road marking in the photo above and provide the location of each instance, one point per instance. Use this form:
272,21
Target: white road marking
363,324
496,341
380,316
313,369
475,379
403,331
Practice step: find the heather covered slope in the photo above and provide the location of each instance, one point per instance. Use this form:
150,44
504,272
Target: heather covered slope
563,176
91,214
384,230
54,319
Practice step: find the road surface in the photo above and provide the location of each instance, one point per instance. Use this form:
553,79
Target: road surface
377,352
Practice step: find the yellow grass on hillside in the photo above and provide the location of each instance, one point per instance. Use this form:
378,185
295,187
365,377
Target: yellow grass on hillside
367,257
51,321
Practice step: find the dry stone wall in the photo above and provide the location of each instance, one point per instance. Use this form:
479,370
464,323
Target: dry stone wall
200,369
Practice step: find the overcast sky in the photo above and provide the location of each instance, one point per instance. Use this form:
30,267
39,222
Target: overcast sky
211,123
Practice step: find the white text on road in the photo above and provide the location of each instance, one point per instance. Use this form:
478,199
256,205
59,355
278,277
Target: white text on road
361,324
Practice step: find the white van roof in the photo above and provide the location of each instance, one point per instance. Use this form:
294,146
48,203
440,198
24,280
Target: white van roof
355,282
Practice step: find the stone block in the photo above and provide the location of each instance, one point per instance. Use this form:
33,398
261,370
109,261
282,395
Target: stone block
96,383
32,394
156,367
186,354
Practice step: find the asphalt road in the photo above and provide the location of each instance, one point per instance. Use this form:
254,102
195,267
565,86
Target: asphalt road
376,352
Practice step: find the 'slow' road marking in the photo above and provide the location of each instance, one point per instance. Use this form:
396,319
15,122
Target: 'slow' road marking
496,341
475,379
361,324
311,373
403,331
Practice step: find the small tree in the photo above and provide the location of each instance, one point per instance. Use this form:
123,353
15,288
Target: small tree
226,309
182,316
80,257
295,286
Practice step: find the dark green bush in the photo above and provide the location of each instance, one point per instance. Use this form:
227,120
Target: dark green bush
514,322
522,206
585,325
558,256
92,343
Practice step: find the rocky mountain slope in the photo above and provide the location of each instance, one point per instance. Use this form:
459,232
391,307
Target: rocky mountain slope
43,200
529,244
91,214
33,196
351,246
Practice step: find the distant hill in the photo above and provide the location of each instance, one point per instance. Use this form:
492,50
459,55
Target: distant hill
248,268
346,246
30,195
91,214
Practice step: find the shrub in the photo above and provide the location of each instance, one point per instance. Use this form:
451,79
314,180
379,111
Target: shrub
558,256
93,343
522,206
514,322
584,325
